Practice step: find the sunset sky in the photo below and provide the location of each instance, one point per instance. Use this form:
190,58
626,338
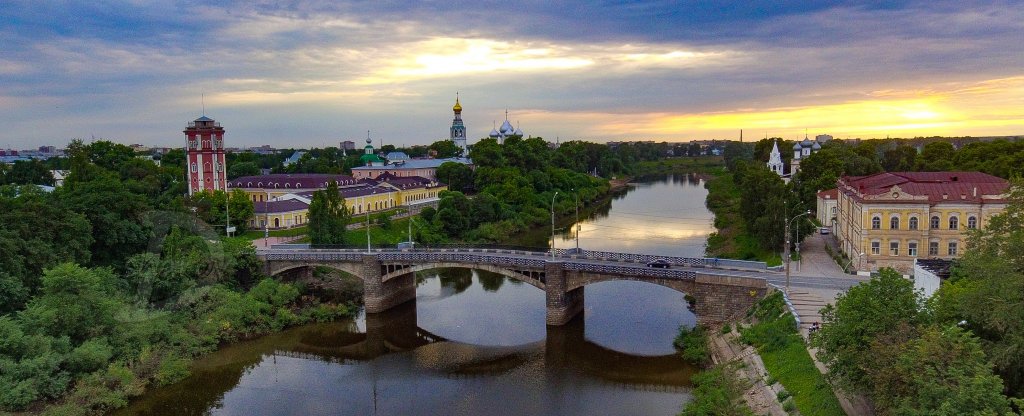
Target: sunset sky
310,73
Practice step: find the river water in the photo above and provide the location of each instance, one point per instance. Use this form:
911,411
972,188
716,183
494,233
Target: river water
475,343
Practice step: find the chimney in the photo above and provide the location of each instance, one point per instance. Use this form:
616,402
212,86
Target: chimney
945,196
975,191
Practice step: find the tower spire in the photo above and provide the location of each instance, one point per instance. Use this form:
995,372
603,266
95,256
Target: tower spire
741,135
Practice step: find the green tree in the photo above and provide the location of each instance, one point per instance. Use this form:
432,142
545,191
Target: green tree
458,176
328,216
878,308
31,172
445,149
735,152
241,169
74,302
119,229
901,158
942,372
991,273
936,156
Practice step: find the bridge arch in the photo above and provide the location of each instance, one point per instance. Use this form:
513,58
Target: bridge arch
349,268
512,274
679,285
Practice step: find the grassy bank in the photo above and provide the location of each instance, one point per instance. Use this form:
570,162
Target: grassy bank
700,164
773,332
290,232
731,241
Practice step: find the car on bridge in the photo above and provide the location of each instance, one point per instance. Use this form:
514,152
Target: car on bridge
660,264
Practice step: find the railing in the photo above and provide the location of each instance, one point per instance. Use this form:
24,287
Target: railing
789,304
627,270
560,252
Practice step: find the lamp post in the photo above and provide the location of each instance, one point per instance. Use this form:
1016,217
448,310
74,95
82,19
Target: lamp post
577,196
786,248
368,229
553,225
851,262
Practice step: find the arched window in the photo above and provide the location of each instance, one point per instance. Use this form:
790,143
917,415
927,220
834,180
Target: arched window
935,222
876,223
912,222
894,223
195,167
954,223
972,222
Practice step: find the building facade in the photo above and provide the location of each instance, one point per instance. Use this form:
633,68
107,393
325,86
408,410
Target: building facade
775,160
891,219
204,149
803,150
827,211
425,168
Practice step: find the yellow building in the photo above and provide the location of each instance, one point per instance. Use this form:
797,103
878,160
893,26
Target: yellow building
890,219
290,209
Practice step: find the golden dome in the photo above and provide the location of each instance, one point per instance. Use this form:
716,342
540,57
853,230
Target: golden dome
458,107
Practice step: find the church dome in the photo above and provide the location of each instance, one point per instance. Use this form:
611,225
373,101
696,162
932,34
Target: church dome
796,146
815,146
506,128
518,132
458,107
494,133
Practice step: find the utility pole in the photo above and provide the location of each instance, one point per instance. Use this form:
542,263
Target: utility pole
577,195
368,231
227,213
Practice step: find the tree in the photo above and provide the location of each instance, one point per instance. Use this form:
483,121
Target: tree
445,149
75,302
241,169
735,152
116,215
872,310
991,273
944,371
31,172
328,216
458,176
936,156
899,159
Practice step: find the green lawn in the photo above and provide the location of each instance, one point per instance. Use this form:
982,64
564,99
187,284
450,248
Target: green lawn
290,232
684,164
786,358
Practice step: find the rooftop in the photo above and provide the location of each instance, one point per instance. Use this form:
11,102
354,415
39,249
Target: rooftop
292,181
930,187
417,164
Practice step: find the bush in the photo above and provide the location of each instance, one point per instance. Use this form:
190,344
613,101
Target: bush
717,391
693,345
727,328
789,405
782,395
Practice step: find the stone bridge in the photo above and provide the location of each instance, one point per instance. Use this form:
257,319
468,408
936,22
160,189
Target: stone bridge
388,275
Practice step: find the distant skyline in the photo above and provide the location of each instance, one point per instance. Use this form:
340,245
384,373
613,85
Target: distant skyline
311,73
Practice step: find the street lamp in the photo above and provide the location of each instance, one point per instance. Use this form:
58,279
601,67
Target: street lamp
266,220
786,248
553,225
851,262
577,196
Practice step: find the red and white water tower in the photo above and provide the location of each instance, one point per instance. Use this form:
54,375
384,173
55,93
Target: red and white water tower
204,147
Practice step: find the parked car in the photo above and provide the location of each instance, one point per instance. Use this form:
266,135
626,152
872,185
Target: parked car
824,230
660,264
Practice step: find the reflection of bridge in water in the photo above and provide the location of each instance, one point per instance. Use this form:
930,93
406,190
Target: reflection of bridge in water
388,275
564,347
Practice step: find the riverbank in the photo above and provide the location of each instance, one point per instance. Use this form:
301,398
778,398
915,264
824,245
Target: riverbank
698,164
731,241
761,365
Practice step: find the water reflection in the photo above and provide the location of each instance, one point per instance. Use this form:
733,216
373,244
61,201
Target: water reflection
475,342
411,361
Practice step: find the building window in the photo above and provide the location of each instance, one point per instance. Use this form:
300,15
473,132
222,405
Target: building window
912,249
894,248
933,248
876,223
952,248
894,223
972,222
912,223
876,247
195,167
954,223
935,222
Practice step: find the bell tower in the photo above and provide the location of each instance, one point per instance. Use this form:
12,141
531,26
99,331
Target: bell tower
458,130
204,150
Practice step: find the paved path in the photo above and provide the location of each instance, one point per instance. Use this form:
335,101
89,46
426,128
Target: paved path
815,261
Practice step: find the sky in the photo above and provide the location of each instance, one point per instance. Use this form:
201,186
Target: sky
309,73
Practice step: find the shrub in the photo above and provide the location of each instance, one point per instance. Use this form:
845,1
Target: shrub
782,395
693,345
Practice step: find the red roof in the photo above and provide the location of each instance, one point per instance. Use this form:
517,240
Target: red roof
276,207
933,187
829,194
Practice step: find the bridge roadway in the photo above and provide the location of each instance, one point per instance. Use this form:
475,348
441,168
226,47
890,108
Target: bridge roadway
719,288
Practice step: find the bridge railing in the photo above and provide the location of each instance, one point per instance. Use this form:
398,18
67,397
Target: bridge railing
632,270
463,258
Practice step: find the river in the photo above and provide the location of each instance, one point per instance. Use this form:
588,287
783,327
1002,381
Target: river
476,343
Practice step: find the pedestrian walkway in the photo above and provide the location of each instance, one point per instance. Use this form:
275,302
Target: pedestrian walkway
815,261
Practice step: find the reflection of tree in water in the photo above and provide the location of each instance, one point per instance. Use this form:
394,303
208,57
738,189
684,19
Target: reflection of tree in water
490,281
457,279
